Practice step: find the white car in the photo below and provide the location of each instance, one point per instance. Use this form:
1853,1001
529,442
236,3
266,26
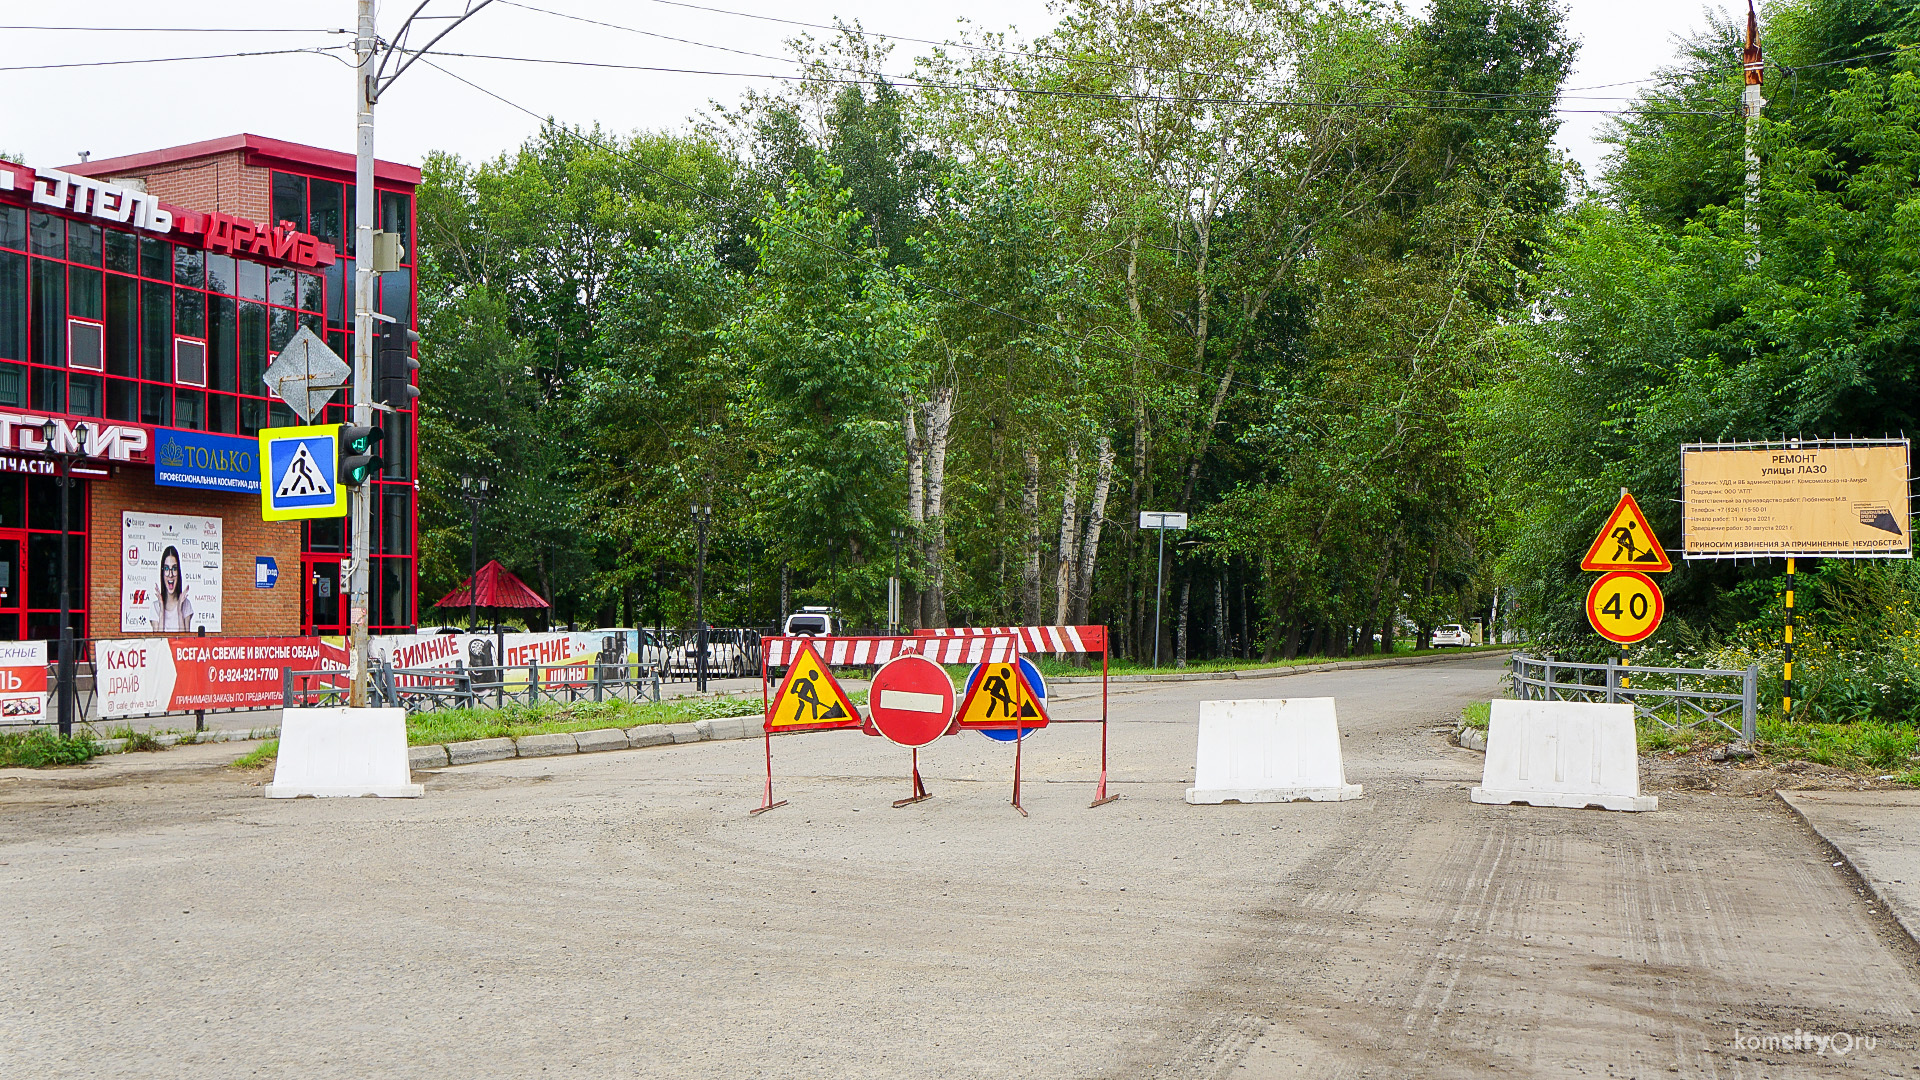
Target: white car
1451,634
732,652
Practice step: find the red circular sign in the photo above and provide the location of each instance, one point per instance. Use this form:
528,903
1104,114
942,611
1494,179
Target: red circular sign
911,701
1625,606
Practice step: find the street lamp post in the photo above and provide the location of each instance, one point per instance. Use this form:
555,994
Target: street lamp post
474,494
893,585
64,461
700,516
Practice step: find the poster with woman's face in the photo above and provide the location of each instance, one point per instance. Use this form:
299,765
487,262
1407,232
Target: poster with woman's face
169,573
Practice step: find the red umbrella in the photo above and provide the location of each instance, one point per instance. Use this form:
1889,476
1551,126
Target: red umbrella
496,587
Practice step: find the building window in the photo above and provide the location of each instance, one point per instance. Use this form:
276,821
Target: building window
85,344
189,362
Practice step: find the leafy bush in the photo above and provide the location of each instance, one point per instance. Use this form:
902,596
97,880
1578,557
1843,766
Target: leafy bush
40,747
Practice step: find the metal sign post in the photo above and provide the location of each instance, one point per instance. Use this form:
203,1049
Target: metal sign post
1160,521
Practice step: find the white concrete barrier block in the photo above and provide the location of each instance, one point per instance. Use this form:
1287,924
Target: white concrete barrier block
1269,750
341,751
1562,753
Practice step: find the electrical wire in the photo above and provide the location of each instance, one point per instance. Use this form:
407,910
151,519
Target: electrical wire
189,29
1087,343
1011,52
1089,95
326,51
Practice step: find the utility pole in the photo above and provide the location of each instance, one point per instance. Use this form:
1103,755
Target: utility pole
360,500
1754,66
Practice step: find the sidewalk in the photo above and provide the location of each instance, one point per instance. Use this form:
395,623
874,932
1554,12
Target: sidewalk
1878,834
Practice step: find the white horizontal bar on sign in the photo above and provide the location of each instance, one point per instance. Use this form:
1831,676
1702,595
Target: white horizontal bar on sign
911,701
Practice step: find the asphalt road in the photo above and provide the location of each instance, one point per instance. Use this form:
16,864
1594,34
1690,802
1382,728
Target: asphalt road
621,915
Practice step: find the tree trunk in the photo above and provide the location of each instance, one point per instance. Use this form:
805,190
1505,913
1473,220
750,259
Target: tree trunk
1030,566
1069,533
1219,618
1096,519
1180,628
939,414
916,492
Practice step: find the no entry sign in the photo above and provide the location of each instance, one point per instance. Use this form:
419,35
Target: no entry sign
911,701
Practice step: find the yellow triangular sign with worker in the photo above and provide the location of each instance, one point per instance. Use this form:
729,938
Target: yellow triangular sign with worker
1001,697
809,699
1626,542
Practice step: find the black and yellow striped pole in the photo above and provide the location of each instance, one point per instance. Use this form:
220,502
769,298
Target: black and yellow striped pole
1786,695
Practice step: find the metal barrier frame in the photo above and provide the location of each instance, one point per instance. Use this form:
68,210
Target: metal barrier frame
1534,679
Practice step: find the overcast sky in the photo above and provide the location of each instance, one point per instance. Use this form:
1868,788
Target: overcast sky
57,113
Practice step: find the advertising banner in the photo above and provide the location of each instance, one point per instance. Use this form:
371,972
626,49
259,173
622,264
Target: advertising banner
23,682
1838,498
202,459
169,573
145,676
490,657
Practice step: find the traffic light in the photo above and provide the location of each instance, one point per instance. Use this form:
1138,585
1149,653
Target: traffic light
394,364
360,457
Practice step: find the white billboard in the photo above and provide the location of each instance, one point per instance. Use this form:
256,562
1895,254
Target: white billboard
169,573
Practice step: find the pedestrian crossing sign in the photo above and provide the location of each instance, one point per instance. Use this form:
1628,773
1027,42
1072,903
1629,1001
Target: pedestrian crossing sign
999,696
298,473
809,698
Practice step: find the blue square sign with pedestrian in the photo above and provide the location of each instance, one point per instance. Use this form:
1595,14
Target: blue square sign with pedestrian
299,473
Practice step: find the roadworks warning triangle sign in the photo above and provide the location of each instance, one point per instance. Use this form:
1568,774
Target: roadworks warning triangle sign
1001,698
809,699
1626,542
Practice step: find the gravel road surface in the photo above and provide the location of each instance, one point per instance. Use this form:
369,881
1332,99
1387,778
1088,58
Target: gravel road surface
620,915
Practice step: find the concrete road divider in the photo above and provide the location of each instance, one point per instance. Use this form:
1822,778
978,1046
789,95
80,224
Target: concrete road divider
1269,750
339,752
1562,753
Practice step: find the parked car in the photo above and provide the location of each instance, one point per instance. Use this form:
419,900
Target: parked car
1451,634
625,645
814,622
732,652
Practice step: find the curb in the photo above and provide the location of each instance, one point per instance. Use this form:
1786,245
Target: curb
1866,882
119,746
1281,672
442,755
1470,738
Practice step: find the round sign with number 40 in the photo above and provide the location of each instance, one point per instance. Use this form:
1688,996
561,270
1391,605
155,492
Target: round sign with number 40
1625,606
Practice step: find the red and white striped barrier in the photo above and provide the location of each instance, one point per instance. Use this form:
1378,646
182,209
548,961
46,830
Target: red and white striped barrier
1055,639
858,651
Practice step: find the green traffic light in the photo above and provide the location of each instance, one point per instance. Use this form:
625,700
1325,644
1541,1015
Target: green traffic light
359,454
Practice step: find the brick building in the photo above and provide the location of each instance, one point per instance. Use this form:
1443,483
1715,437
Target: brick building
142,299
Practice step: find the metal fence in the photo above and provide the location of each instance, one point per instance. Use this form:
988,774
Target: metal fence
429,689
1675,698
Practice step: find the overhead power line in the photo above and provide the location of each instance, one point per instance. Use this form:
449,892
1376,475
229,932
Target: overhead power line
326,51
188,29
1094,95
1077,59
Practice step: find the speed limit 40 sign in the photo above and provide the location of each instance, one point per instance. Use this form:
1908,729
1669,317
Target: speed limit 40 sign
1625,606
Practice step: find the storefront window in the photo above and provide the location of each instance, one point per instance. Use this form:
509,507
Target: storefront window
396,216
220,343
123,251
13,501
123,326
123,399
189,267
252,349
156,405
49,235
49,313
13,306
13,227
83,395
396,520
156,332
83,243
253,281
156,259
324,197
221,414
290,200
220,273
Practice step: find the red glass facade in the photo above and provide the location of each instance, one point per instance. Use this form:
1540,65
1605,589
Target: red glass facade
108,322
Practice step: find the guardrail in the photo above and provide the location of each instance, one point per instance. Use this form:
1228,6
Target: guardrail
1660,694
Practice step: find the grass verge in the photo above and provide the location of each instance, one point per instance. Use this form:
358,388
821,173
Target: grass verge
135,741
1869,747
40,747
513,721
260,756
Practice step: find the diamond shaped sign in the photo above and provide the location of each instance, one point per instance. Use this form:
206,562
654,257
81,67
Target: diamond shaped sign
306,373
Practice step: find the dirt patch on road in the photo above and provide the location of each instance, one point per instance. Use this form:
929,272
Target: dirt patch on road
1753,777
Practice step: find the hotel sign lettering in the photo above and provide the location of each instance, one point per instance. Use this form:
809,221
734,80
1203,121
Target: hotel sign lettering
85,195
126,206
